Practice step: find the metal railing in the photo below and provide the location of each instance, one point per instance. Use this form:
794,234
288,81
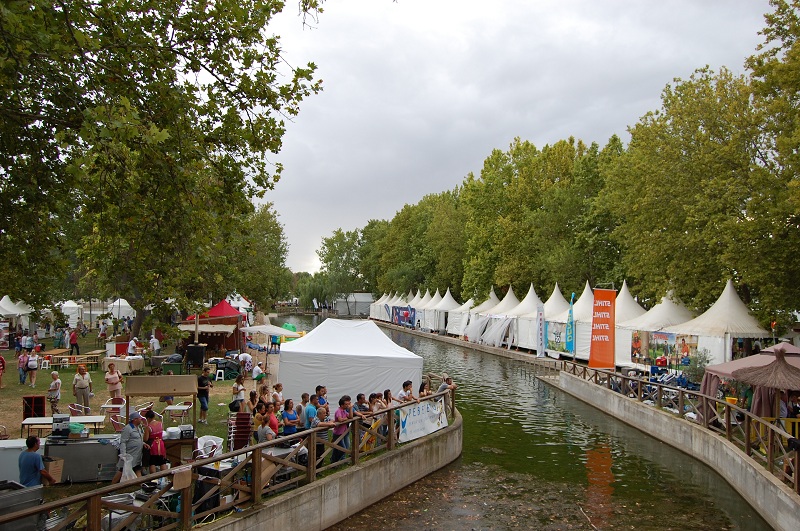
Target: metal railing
764,439
245,478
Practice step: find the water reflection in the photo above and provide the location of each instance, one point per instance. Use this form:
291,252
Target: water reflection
534,457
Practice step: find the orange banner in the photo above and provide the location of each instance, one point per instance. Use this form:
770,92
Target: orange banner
601,355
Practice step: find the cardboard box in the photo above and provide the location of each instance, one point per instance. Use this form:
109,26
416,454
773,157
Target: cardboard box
54,467
81,435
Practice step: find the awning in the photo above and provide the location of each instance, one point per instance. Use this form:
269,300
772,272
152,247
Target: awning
208,328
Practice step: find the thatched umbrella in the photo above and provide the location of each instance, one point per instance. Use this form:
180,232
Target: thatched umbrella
776,375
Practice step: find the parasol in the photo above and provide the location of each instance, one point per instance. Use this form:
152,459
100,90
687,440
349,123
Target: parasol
776,375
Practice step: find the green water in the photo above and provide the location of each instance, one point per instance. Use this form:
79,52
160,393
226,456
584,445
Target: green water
536,458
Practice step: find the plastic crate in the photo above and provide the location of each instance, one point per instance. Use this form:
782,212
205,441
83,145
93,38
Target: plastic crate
187,431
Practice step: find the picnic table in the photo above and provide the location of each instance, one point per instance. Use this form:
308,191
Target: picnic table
126,365
90,360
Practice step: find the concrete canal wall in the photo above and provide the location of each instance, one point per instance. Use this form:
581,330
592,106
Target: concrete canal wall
773,500
327,501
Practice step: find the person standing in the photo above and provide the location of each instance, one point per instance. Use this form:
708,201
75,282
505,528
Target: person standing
73,342
131,443
321,420
154,442
132,346
204,385
31,466
114,381
238,390
311,410
54,392
22,366
345,412
2,370
155,346
33,365
82,387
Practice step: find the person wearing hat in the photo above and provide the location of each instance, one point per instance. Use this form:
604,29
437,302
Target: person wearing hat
258,372
204,385
131,444
132,346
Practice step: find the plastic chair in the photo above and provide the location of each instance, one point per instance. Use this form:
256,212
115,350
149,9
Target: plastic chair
116,401
179,416
77,410
143,408
220,375
117,423
45,364
3,433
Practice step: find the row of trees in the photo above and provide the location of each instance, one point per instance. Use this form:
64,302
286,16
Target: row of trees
135,137
706,190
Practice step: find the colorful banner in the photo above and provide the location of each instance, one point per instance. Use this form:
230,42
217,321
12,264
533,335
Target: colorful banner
601,353
569,332
404,316
4,337
422,419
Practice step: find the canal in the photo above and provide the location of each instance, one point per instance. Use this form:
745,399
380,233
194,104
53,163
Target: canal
536,458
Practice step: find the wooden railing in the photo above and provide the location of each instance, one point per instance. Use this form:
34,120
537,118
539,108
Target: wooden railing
763,438
246,476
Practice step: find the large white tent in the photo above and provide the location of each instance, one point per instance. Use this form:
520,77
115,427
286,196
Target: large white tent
374,308
120,308
436,316
523,329
348,357
725,320
9,309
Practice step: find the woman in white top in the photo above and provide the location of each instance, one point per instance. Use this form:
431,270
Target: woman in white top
54,392
277,396
33,365
238,391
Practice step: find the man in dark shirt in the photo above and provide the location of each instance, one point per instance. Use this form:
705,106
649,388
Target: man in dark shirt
204,383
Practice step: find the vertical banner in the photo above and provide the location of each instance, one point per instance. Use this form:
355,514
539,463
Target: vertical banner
541,332
569,332
601,355
4,337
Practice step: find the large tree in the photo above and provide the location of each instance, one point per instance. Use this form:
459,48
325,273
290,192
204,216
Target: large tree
340,263
149,125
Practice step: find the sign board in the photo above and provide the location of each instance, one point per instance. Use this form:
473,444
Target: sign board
422,419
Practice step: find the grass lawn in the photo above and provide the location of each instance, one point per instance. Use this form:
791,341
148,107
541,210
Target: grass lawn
12,392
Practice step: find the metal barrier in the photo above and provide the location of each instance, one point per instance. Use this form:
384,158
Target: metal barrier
762,438
245,476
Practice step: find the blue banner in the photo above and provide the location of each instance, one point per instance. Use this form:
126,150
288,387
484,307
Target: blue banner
570,330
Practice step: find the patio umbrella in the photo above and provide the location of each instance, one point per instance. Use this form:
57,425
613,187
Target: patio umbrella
776,375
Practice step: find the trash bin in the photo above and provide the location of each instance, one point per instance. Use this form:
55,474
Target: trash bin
176,368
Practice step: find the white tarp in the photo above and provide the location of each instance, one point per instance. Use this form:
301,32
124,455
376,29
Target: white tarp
348,357
269,330
457,318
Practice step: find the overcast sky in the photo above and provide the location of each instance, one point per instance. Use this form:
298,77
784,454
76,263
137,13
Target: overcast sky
417,93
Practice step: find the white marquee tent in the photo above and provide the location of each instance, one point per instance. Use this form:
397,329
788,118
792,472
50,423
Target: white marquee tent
120,308
626,308
436,316
425,312
348,357
457,318
726,319
479,317
73,311
524,327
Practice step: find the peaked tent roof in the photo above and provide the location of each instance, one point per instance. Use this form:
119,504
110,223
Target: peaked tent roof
555,304
728,315
491,302
665,313
581,309
447,303
509,302
528,305
413,301
9,309
626,308
222,309
436,299
424,300
118,307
